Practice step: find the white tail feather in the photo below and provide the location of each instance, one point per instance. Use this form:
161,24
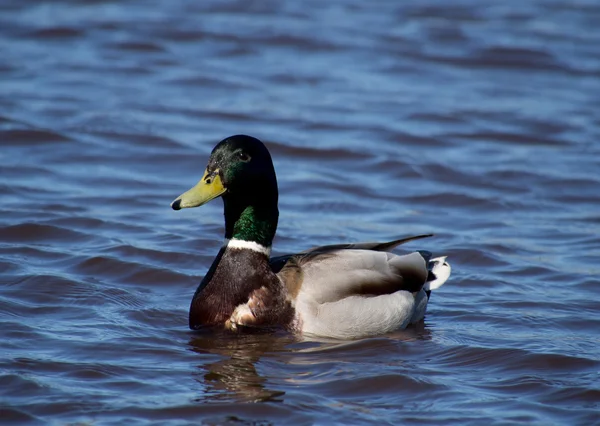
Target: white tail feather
441,269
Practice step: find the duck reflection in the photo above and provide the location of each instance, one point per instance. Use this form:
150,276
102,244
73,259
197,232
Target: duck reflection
234,378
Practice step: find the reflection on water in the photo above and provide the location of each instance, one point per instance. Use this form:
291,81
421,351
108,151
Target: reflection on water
234,378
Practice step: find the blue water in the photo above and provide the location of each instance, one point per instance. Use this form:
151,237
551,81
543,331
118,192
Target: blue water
476,121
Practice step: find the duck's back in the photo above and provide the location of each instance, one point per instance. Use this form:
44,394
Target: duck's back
345,292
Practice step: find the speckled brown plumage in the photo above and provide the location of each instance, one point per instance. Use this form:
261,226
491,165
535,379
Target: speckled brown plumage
233,278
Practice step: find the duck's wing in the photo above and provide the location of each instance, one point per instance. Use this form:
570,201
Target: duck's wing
331,273
332,276
278,262
386,246
350,291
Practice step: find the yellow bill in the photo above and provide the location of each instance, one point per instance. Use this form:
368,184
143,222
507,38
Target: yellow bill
209,187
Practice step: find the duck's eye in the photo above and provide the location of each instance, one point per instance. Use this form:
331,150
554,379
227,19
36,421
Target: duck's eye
243,156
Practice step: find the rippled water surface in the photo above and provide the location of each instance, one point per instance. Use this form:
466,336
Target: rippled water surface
477,121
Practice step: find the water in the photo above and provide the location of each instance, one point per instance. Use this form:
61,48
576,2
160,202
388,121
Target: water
478,121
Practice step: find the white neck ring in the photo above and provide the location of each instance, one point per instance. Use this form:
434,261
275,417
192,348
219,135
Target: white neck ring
236,244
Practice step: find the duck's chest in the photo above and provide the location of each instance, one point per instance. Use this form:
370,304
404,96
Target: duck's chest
229,282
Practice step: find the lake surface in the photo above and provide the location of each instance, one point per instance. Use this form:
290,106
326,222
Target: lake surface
477,121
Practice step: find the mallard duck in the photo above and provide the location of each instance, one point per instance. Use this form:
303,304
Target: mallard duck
341,291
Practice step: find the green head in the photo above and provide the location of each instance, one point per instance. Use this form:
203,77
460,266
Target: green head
240,170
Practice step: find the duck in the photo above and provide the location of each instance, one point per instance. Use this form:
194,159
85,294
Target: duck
339,291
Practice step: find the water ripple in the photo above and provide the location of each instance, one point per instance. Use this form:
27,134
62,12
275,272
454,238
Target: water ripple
476,122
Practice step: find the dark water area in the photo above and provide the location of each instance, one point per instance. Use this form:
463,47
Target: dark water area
477,121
